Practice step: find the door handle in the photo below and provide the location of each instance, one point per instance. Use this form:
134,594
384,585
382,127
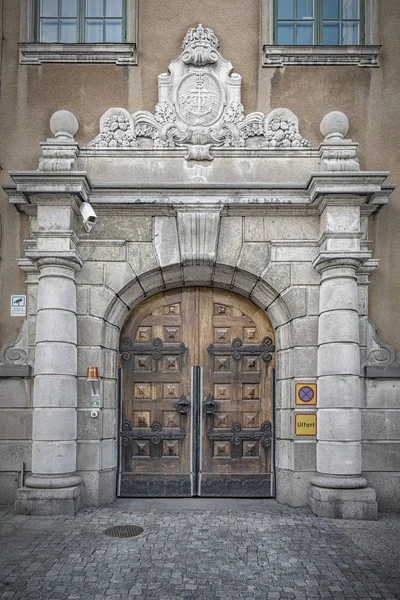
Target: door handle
210,406
183,406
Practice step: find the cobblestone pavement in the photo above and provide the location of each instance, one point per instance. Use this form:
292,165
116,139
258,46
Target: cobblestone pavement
198,548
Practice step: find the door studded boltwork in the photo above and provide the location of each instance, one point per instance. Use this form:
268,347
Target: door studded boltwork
197,397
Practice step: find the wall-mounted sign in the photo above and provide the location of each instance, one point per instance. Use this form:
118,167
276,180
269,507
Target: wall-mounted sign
306,393
18,305
306,424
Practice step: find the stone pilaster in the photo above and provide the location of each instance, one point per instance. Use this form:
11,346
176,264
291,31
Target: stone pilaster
54,487
339,490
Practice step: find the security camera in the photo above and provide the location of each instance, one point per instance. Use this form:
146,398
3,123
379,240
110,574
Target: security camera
88,215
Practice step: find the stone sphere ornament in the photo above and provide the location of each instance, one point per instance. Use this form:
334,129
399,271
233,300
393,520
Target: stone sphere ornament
64,124
334,125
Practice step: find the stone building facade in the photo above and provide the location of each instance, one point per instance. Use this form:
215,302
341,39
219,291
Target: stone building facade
235,173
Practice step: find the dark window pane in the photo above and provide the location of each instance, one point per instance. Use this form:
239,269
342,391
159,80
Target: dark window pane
94,31
305,9
49,8
114,8
305,34
285,34
68,8
350,33
331,9
48,31
285,9
94,8
330,34
68,31
349,9
113,31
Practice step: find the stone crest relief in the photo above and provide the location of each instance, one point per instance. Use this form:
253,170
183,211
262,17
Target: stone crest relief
199,108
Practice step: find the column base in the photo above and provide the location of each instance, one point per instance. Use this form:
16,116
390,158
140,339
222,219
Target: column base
342,503
48,502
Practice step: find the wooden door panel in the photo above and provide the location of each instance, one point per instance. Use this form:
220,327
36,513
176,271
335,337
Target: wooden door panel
160,440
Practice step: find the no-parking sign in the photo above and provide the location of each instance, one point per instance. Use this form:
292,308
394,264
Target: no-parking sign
306,394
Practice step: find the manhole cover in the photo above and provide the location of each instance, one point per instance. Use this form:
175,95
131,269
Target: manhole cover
123,531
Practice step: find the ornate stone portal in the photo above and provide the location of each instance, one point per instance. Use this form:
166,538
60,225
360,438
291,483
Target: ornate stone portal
199,106
255,211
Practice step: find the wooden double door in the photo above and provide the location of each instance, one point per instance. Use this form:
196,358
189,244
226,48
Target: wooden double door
197,397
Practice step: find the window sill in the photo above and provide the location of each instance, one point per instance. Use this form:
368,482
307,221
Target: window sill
360,56
38,53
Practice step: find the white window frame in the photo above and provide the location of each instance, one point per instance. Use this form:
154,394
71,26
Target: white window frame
36,53
280,56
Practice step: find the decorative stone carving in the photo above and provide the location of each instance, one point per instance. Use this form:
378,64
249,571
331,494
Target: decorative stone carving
198,233
337,153
60,153
379,354
16,351
199,108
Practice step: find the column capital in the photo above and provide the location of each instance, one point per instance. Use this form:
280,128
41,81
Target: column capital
332,260
68,259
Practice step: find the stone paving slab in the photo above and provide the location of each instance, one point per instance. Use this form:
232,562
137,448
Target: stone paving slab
197,549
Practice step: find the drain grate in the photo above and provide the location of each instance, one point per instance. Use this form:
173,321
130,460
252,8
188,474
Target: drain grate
123,531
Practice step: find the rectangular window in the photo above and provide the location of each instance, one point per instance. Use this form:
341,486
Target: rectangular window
319,22
80,21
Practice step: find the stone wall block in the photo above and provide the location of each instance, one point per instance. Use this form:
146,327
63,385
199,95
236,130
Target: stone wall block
285,391
13,453
110,358
304,455
293,253
339,424
173,276
339,391
263,294
88,456
54,458
254,257
277,312
277,275
339,326
284,424
121,226
284,367
47,358
383,393
100,299
304,274
50,424
152,282
305,361
339,458
15,393
380,425
89,357
89,428
32,295
223,276
313,300
82,300
15,424
381,456
283,337
110,394
110,336
61,296
91,273
295,299
230,240
340,219
304,331
118,276
84,393
197,275
284,454
142,257
339,359
166,241
55,391
108,455
118,312
244,281
90,331
107,251
54,325
109,424
54,218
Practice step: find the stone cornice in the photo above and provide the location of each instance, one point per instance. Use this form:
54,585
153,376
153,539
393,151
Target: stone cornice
67,258
329,260
37,187
360,56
